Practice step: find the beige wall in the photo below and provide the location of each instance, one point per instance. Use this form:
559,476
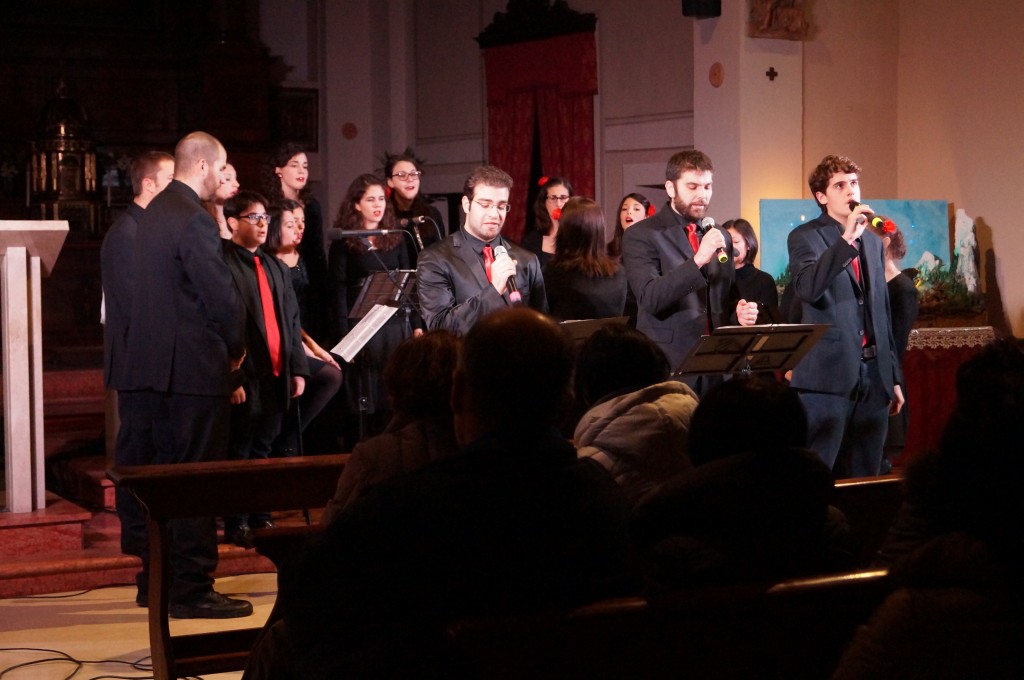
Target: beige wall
961,137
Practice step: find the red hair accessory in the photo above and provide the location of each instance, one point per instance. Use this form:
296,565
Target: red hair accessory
556,214
387,192
651,210
889,227
542,181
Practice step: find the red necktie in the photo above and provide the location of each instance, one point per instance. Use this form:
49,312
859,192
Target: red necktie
691,234
269,317
488,260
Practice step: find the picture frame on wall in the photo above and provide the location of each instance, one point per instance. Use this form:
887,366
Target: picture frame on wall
297,116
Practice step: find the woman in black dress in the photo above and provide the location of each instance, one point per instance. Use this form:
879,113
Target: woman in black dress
903,308
407,202
286,176
633,208
547,213
284,236
582,282
754,285
352,260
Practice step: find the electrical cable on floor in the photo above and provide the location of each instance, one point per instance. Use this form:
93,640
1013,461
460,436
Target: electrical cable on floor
64,657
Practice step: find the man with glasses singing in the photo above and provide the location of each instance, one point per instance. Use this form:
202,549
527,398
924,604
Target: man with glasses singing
475,271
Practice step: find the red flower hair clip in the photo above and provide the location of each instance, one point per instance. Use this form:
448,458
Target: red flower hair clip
889,227
387,192
651,210
542,181
556,214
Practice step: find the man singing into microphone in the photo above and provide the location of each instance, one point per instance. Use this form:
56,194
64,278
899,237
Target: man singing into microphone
682,288
850,381
475,271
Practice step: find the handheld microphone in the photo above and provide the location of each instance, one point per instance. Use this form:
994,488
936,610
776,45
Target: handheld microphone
706,225
513,290
876,221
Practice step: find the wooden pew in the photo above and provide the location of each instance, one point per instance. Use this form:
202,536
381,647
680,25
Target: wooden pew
870,505
215,489
792,630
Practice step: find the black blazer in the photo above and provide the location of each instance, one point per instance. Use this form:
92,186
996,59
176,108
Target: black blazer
453,288
263,391
186,316
117,259
672,293
826,291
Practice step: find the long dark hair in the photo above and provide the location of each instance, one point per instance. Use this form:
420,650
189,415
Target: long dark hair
542,219
350,219
273,242
615,246
278,158
579,245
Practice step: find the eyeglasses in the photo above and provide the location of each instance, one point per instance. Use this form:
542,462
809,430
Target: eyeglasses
487,205
561,199
254,218
402,174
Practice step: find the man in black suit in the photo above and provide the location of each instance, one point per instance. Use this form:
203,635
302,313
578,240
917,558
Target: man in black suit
682,290
275,367
514,523
850,381
184,343
457,287
151,172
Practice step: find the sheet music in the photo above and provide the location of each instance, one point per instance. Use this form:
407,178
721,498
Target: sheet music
367,327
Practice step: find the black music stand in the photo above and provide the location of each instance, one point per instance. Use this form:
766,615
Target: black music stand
579,330
384,293
742,350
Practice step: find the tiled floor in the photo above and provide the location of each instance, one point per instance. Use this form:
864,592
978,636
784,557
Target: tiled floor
106,629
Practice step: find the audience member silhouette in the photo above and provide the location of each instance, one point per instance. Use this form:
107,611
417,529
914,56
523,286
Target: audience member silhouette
956,548
418,382
755,508
638,423
513,524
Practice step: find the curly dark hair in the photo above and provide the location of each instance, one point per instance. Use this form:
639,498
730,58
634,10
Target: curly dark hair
418,374
350,219
279,158
829,165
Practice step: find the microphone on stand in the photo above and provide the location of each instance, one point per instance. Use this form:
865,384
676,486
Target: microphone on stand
359,233
513,290
706,225
406,221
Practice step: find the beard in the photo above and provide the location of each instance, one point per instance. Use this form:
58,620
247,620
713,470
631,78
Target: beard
690,211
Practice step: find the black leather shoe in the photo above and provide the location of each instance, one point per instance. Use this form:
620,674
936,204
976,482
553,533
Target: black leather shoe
142,599
262,524
240,535
211,606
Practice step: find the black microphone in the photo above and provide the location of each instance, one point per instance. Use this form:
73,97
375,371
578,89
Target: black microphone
406,221
876,221
513,290
706,225
359,233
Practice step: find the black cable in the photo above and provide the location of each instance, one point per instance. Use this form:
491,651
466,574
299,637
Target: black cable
64,657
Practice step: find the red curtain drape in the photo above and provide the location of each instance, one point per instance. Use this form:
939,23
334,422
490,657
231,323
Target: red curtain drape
554,79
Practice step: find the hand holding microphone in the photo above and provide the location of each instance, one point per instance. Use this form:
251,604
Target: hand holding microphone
712,244
861,214
503,274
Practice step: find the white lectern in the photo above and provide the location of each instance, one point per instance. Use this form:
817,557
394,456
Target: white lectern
28,250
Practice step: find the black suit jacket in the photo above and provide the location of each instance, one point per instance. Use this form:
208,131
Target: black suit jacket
117,260
265,392
671,291
453,288
186,316
826,292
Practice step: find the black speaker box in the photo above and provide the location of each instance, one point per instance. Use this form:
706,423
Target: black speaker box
702,9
